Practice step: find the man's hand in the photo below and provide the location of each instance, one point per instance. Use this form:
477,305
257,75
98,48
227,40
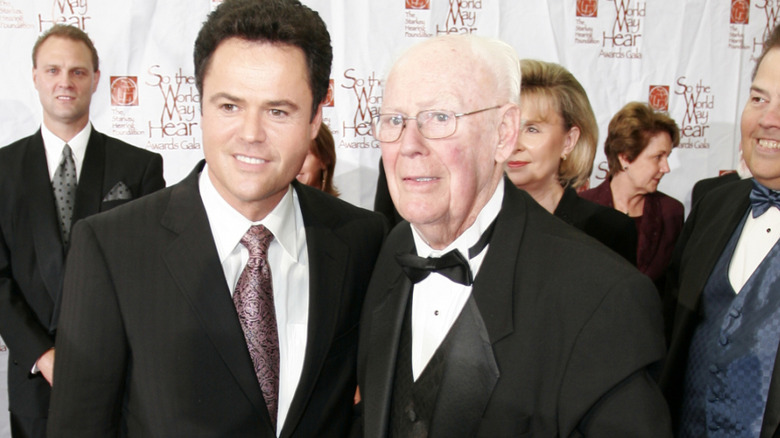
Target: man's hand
45,365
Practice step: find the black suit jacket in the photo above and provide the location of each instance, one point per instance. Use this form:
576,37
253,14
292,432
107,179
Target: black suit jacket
149,338
570,331
607,225
705,185
31,251
708,229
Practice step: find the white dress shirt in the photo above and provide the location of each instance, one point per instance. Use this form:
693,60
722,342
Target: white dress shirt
437,301
54,145
758,236
289,262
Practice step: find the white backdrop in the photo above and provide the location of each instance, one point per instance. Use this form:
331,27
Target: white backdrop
691,58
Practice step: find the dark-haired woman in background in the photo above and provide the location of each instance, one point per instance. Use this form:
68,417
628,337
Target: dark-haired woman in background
554,154
317,170
638,145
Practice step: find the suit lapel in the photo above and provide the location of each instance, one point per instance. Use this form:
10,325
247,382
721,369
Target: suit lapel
194,264
90,187
715,236
42,216
386,323
493,286
328,257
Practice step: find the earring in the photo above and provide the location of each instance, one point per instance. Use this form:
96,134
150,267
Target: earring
563,157
625,167
324,177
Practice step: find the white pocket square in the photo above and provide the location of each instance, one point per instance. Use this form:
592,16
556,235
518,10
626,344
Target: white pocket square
120,192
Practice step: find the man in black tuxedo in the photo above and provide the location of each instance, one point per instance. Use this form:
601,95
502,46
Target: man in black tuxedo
518,324
229,306
722,376
99,172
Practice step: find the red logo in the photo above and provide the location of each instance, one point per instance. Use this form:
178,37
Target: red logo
740,11
124,90
330,99
418,4
587,8
658,97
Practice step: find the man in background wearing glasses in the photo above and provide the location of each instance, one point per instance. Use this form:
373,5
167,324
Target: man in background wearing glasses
485,315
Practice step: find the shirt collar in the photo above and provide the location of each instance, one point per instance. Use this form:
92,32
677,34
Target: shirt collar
472,234
54,145
228,226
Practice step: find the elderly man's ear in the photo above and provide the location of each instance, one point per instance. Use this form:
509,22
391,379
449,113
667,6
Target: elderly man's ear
508,130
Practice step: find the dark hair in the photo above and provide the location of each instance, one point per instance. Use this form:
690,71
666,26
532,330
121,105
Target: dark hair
69,32
770,42
324,148
630,131
273,21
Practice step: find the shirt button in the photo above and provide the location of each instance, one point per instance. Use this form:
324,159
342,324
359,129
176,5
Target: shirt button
724,340
714,369
735,313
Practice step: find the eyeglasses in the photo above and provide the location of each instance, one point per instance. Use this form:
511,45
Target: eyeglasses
432,124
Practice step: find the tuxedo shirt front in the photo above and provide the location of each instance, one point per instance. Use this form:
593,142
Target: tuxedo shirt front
437,301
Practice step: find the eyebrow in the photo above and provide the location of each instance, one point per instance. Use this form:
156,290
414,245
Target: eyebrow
270,103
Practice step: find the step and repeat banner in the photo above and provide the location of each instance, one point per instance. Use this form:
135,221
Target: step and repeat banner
692,59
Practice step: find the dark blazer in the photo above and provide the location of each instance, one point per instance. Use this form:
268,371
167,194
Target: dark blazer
705,185
707,231
31,250
150,341
607,225
661,224
571,330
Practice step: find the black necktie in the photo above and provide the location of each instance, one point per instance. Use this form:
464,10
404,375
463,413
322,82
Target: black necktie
451,265
762,198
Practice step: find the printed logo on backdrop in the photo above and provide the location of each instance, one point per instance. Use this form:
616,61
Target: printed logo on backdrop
124,90
418,4
747,34
740,11
179,111
462,17
699,103
71,12
417,18
658,97
622,40
587,8
12,18
124,100
620,34
365,99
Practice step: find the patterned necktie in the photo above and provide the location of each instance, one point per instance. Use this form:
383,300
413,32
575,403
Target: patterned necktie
64,186
762,198
254,300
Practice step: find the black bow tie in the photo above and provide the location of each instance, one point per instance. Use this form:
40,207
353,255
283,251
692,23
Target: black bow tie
451,265
762,198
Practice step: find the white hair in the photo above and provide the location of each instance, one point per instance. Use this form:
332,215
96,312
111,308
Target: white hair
495,56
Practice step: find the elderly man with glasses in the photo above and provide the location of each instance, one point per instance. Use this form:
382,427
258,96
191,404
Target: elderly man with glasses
485,315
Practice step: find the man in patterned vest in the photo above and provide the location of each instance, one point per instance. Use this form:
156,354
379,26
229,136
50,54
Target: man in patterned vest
723,297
